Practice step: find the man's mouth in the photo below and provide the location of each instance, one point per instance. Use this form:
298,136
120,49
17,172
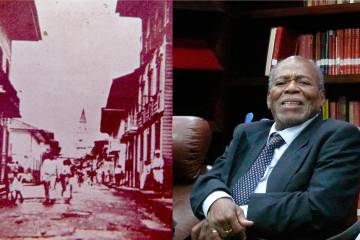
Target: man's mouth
291,103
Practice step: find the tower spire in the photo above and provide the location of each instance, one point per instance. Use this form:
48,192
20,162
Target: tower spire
83,117
82,145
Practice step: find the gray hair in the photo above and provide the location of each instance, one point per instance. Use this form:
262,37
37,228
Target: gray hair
319,73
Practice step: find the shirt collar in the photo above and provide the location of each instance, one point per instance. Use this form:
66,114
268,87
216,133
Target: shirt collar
289,134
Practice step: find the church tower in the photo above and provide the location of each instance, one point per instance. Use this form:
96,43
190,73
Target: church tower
82,147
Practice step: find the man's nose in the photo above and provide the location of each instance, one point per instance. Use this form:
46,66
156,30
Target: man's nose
292,86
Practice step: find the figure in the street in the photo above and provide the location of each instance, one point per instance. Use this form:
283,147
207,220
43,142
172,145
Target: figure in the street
91,175
16,187
110,177
117,172
80,177
65,180
48,175
146,171
157,166
103,176
15,167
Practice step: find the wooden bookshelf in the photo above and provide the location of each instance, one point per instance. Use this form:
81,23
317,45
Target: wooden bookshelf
316,41
340,79
303,11
263,81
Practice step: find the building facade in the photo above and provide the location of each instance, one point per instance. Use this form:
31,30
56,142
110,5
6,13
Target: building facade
138,113
18,21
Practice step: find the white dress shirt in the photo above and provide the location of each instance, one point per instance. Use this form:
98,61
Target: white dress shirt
288,134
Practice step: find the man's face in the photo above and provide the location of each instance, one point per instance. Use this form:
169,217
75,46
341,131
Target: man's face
294,95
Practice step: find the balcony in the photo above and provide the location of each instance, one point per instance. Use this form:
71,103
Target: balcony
150,109
139,119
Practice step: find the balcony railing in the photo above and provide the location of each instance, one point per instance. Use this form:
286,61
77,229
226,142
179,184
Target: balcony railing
139,119
149,109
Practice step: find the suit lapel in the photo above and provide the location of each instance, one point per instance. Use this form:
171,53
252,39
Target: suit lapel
255,143
292,159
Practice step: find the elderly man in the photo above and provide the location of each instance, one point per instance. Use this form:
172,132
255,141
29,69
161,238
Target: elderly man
293,178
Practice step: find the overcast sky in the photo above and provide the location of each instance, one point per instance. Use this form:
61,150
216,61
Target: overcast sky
84,45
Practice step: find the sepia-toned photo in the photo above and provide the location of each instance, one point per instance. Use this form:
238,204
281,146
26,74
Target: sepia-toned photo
85,119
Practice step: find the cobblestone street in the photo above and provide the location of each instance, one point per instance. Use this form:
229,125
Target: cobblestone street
95,212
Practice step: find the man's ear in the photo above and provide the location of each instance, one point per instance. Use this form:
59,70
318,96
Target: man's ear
268,100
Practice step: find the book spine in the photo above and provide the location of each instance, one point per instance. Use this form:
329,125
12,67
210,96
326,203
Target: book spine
301,45
333,110
277,45
317,48
351,112
322,52
345,61
341,50
357,51
270,51
325,109
352,56
310,46
348,51
357,113
342,109
331,53
336,54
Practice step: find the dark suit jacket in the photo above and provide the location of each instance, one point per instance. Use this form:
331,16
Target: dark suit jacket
311,193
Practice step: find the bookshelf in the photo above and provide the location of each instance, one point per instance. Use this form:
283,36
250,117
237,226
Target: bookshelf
304,11
335,48
238,35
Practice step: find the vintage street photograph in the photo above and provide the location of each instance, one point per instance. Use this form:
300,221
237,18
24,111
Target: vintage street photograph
85,119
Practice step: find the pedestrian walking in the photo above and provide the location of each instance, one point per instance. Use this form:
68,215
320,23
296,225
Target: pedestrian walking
49,175
80,177
66,184
117,172
157,167
16,188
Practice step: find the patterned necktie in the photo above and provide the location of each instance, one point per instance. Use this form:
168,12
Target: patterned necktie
247,183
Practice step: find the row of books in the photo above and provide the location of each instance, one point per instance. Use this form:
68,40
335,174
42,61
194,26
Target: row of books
342,109
335,51
309,3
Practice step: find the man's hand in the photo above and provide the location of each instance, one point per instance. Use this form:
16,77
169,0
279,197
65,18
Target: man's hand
225,220
203,231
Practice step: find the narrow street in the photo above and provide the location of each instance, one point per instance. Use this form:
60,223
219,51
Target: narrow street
95,212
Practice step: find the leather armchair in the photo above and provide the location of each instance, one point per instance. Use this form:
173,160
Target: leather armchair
191,139
349,234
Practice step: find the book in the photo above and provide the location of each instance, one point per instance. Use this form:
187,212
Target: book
325,109
270,51
284,45
356,113
342,108
333,110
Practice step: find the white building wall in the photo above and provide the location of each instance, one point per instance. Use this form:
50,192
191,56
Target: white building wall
22,146
6,48
153,139
122,146
162,74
